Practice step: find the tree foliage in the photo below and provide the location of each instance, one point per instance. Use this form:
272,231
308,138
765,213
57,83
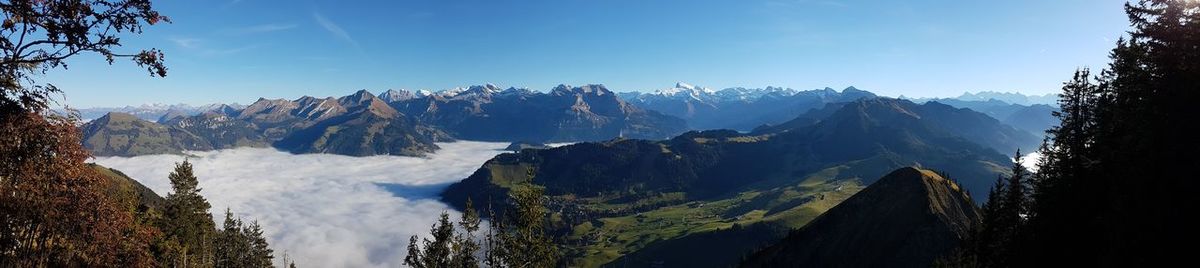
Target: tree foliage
241,245
520,238
996,241
1117,173
39,35
516,239
1116,180
53,208
187,224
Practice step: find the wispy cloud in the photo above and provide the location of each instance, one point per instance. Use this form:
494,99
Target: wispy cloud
262,28
227,51
325,210
185,42
334,29
201,47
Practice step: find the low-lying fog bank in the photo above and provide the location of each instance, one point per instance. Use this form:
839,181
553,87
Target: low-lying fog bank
324,210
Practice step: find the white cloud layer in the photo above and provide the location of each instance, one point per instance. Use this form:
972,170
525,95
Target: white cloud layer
324,210
1030,161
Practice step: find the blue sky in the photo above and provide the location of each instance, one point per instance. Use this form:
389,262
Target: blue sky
239,50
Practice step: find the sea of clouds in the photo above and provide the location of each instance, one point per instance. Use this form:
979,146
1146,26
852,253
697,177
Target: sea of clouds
324,210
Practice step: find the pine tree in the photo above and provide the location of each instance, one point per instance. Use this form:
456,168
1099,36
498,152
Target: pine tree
517,239
434,253
465,246
997,241
260,252
230,246
493,252
1117,172
525,243
984,245
186,220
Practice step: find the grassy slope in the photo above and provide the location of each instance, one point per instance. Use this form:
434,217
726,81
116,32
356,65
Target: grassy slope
607,240
708,198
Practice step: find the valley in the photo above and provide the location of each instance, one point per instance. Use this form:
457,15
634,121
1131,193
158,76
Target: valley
616,201
515,134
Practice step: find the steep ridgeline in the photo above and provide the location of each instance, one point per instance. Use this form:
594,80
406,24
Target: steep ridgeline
363,125
739,108
565,114
638,202
1034,118
121,134
152,112
1010,97
359,124
908,218
123,188
965,123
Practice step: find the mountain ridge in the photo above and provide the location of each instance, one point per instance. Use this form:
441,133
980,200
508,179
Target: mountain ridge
720,178
908,218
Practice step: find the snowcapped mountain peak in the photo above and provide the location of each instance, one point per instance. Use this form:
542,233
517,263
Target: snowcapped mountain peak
424,93
685,90
393,95
477,91
684,86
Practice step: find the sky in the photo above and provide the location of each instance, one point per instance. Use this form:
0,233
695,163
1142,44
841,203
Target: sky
239,50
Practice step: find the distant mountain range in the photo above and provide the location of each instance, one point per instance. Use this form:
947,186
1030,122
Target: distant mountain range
736,191
1032,113
1006,97
395,122
1035,119
154,112
403,122
739,108
745,109
564,114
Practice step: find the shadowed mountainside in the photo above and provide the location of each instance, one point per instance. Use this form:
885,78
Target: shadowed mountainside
908,218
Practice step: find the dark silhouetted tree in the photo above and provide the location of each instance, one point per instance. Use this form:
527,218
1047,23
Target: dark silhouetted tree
1117,175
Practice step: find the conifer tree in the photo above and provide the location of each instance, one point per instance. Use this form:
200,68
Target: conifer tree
434,253
1118,171
516,239
186,220
230,246
241,245
260,252
524,242
465,245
